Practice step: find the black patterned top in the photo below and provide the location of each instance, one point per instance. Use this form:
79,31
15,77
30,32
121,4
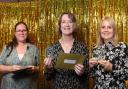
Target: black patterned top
65,78
118,56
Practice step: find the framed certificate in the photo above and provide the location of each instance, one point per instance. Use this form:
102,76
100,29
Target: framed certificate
68,61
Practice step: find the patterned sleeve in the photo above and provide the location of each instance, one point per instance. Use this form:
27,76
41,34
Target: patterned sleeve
92,71
85,53
3,55
126,63
34,52
120,64
49,73
36,56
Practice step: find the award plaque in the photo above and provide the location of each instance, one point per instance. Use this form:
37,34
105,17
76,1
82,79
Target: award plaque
68,61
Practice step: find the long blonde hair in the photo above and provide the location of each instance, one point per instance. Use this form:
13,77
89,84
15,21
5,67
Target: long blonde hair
100,41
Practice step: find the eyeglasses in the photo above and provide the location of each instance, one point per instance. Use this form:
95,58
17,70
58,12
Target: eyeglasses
21,30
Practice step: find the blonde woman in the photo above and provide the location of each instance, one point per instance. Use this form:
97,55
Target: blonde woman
109,61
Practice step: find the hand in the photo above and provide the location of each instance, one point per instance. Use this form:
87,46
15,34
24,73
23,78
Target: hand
32,68
105,64
48,63
15,67
92,62
79,69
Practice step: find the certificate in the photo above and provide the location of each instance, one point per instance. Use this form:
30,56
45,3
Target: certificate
68,61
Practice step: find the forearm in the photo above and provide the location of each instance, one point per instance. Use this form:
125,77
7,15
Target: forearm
5,69
36,69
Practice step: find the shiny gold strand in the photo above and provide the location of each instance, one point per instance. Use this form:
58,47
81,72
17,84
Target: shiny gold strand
42,15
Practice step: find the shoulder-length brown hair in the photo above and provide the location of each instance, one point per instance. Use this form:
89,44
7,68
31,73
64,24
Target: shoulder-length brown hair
100,41
73,19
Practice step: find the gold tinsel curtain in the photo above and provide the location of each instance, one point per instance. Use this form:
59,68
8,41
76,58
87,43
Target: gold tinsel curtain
11,13
88,14
42,15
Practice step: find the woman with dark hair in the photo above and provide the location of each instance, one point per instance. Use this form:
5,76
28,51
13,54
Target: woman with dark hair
66,78
19,61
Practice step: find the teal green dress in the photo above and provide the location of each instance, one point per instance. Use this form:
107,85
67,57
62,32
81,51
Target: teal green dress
25,80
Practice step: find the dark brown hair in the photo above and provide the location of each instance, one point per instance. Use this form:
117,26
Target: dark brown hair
14,42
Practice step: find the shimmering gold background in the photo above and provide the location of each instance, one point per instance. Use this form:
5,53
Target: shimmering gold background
42,15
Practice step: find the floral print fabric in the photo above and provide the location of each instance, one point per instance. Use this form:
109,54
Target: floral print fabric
65,78
118,56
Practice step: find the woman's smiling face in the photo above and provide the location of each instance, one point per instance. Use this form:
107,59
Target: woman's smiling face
106,30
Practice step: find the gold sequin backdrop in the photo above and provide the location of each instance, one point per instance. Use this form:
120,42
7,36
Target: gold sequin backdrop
41,17
11,13
88,14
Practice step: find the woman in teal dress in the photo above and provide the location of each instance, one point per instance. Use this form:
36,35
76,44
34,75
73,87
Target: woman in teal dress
18,54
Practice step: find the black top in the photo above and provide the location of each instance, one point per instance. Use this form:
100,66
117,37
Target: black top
65,78
118,56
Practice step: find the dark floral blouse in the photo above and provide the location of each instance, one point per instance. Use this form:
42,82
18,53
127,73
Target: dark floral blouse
65,78
118,56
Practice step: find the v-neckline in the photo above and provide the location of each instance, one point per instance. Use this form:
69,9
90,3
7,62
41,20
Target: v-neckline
70,49
23,55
